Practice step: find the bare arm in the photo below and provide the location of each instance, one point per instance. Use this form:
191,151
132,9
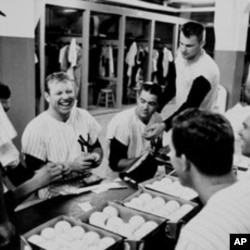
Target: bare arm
96,152
7,230
42,177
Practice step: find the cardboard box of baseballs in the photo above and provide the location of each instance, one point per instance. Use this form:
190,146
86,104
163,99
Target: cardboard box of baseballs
170,185
140,230
174,210
67,233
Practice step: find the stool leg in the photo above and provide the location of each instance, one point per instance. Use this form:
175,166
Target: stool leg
113,96
106,100
99,98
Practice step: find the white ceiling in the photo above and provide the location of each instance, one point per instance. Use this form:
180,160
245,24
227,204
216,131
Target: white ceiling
175,6
193,2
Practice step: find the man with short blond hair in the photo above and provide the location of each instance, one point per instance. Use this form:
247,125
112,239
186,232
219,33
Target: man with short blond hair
63,134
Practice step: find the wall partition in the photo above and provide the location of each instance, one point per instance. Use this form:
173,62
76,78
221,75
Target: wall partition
108,50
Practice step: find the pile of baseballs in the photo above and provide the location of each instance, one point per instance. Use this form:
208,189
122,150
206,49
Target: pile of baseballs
134,229
172,187
159,206
64,236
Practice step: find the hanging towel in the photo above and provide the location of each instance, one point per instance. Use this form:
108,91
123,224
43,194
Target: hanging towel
111,61
167,58
63,58
155,57
130,58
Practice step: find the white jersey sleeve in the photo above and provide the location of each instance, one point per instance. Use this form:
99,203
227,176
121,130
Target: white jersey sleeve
185,244
118,128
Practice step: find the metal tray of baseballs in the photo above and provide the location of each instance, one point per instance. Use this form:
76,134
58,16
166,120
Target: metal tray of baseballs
162,205
140,230
65,232
175,210
170,185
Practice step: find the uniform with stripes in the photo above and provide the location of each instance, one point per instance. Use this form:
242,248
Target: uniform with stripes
226,212
50,140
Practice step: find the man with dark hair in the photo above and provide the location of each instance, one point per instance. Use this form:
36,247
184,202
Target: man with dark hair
240,112
197,77
244,135
202,147
5,94
125,130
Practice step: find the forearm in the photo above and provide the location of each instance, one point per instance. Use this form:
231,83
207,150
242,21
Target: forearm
3,213
99,152
125,164
30,186
96,148
33,163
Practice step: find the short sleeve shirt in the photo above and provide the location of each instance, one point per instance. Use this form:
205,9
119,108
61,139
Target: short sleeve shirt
187,72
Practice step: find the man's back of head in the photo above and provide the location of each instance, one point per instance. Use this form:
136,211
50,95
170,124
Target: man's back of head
152,88
206,139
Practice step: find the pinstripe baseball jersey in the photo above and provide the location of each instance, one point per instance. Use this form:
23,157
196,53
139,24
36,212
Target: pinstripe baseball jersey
127,128
51,140
226,212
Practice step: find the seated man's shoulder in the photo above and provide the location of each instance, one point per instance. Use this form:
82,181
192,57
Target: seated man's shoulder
238,109
124,116
37,122
80,112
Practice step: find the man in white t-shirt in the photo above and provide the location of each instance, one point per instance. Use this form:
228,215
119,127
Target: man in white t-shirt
63,134
202,147
244,135
197,77
239,113
125,130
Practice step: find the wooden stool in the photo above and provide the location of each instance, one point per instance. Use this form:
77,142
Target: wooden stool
107,97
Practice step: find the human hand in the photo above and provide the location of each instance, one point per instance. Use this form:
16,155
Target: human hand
49,173
7,233
153,131
95,158
81,163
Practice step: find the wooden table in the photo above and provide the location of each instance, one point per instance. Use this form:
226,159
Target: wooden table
35,215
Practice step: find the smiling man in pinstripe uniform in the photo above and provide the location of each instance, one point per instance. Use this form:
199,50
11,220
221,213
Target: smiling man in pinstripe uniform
63,134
